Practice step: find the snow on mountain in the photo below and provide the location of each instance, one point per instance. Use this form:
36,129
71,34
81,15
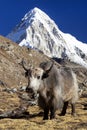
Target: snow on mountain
37,30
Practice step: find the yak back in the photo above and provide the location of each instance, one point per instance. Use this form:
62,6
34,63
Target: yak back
59,77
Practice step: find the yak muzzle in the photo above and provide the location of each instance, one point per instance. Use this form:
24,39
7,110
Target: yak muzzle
32,94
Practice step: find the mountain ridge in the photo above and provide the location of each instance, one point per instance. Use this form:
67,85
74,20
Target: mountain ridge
38,31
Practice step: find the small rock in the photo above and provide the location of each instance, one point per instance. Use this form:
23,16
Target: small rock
22,88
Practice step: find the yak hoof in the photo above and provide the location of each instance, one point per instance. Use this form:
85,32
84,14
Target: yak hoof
62,114
45,118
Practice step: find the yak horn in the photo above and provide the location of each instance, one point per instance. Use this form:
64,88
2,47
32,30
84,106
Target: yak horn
22,63
25,68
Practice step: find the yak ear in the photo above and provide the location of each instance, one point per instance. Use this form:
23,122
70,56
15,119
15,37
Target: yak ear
28,73
46,66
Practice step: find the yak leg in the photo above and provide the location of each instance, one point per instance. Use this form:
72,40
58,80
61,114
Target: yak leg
46,112
64,109
73,109
52,114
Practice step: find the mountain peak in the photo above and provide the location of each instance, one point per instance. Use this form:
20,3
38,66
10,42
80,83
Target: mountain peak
35,14
37,30
32,12
36,9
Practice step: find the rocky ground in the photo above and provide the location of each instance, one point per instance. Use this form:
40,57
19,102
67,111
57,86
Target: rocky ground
12,87
33,120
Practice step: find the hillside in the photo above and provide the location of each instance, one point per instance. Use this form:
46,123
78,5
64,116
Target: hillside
12,79
11,55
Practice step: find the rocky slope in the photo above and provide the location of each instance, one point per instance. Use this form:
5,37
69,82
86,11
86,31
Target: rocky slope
12,80
11,55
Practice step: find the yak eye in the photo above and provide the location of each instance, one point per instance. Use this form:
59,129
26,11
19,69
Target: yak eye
38,77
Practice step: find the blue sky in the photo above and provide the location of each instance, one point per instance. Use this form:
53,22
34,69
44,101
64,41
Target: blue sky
69,15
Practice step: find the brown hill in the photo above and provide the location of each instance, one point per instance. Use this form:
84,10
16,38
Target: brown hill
11,72
12,78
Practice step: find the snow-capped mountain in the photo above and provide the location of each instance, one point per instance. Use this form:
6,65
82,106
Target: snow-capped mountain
37,30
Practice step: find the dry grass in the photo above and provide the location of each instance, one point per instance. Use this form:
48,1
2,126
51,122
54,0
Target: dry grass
35,122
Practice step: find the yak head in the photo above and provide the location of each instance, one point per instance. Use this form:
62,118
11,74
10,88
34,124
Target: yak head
37,75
